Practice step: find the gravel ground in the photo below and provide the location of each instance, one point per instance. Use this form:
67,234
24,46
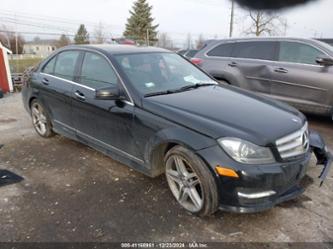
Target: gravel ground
74,193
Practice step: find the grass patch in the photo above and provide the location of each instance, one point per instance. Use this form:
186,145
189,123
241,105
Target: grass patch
20,65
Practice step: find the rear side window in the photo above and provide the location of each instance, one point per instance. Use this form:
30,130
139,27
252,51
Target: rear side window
223,50
263,50
49,67
65,65
96,72
298,53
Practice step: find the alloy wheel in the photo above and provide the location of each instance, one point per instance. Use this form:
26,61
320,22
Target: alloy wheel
184,183
39,119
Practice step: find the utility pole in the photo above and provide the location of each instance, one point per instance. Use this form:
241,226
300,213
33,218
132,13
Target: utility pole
232,18
16,45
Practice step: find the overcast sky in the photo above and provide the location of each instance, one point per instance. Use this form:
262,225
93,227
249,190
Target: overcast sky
177,17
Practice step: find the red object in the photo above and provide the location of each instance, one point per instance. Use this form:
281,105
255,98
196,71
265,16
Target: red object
4,84
196,61
124,41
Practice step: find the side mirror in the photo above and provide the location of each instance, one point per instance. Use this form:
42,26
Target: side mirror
325,61
109,93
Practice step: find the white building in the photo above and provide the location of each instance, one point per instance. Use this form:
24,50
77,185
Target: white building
41,48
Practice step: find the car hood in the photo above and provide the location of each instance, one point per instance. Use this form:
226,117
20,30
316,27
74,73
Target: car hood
223,111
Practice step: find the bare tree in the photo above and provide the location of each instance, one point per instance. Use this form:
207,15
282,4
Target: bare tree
5,36
12,40
164,41
189,42
99,34
265,23
200,42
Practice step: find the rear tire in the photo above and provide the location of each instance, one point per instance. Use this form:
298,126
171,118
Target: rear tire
190,181
40,119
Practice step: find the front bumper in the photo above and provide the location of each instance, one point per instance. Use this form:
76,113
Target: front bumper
260,187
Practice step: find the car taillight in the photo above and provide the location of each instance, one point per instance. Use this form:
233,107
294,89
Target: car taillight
196,61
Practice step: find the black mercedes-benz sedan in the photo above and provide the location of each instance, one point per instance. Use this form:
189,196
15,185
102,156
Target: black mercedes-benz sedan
220,147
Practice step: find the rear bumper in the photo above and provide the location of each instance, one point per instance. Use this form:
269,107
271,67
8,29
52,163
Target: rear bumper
259,187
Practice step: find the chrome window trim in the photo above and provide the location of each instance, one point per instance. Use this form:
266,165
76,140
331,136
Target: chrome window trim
68,81
274,61
99,141
89,88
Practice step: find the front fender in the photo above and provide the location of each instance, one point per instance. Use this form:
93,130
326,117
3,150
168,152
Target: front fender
157,144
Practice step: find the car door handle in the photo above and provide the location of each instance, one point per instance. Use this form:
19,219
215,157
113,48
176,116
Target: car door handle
281,70
232,64
80,96
45,81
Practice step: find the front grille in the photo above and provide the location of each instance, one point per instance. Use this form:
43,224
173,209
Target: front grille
294,144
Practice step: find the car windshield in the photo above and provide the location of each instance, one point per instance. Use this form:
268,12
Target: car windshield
161,72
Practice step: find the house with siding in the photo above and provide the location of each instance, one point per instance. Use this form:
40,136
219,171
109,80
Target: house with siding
41,48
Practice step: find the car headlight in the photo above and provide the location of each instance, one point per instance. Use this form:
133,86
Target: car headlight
245,152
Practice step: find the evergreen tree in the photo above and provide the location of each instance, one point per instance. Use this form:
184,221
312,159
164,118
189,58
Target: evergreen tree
140,24
82,35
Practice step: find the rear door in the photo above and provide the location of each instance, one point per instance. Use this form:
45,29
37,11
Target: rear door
56,82
299,80
216,60
252,64
104,123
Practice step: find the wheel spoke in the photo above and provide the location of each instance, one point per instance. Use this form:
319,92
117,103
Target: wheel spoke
195,197
174,176
194,182
183,194
35,121
181,168
42,119
42,127
35,111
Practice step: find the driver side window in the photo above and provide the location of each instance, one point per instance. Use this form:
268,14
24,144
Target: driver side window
298,53
96,72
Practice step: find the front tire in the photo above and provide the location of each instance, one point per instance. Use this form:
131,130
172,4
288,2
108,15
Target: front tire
40,120
190,181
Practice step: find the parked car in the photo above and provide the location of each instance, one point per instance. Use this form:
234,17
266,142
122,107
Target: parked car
149,108
188,53
297,71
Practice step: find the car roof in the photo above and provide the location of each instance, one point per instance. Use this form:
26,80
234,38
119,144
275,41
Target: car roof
275,38
325,47
119,49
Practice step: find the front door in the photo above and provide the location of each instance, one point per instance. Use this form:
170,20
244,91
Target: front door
105,123
299,80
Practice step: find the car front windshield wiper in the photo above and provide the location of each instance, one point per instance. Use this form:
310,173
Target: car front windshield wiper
197,85
184,88
161,93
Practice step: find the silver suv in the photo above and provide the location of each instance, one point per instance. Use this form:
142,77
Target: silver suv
297,71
